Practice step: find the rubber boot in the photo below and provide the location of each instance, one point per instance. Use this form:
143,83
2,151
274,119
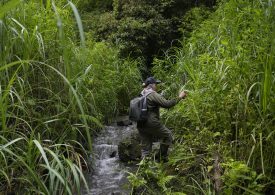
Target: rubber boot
162,155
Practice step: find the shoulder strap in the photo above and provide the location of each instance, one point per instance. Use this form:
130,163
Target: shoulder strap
147,94
144,103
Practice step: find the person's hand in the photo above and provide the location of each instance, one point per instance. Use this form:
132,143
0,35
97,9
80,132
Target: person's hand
182,95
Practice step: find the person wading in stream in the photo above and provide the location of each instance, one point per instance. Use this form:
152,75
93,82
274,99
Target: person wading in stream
152,127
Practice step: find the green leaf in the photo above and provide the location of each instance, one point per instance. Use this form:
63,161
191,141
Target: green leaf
248,190
10,143
79,23
7,7
217,134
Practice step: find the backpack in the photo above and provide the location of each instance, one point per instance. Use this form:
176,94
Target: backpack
138,108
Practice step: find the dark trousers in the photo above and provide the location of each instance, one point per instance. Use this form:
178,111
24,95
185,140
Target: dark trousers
148,135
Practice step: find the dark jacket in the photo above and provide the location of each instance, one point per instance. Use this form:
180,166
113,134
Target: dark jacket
154,102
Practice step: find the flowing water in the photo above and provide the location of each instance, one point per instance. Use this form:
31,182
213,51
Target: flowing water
109,176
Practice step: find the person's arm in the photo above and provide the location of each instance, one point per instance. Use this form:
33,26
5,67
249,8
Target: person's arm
162,102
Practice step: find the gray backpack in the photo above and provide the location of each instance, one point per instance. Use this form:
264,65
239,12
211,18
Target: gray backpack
138,108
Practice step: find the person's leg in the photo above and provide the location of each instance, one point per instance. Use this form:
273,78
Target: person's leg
146,144
166,139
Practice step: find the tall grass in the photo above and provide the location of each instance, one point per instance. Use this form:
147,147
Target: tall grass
227,65
54,93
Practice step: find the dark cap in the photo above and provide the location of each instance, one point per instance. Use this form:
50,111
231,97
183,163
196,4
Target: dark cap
151,80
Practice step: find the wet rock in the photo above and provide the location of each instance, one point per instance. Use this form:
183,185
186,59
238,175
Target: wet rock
116,193
129,149
113,154
123,121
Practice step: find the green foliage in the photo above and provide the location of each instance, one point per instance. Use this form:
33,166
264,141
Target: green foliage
44,167
142,29
192,20
33,98
6,7
55,89
238,174
225,68
138,30
148,174
95,5
109,83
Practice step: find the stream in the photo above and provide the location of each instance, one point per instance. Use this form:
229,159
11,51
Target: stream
109,176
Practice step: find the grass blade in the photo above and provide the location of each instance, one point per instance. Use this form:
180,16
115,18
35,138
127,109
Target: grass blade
79,23
7,7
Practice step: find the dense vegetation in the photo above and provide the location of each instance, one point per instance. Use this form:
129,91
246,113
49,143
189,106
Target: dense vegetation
61,81
56,90
225,128
141,29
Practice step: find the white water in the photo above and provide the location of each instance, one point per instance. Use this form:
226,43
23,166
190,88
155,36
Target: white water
109,176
